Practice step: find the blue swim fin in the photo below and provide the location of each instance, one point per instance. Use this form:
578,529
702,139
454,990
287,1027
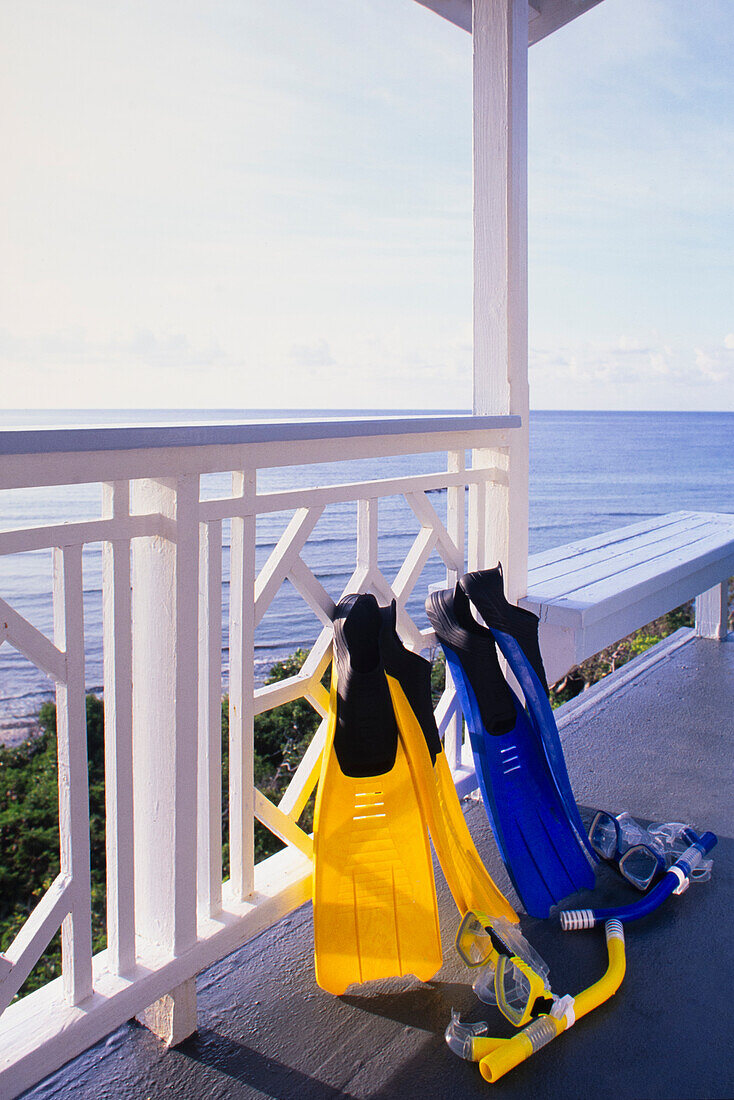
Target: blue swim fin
541,848
515,631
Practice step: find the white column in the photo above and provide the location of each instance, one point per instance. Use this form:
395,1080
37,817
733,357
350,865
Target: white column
499,515
165,657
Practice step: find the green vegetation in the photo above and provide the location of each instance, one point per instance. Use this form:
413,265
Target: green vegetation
29,808
29,832
614,656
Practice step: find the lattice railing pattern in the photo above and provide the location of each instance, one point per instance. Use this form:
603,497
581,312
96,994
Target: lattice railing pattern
169,913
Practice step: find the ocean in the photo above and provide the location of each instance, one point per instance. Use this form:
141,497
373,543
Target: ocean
589,472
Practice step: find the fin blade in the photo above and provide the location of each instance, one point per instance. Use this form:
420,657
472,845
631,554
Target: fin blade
469,882
375,912
539,844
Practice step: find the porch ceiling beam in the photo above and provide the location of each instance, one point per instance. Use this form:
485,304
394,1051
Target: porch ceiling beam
545,16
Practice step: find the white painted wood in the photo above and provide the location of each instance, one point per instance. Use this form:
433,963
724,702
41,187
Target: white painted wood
241,690
456,512
34,937
608,540
170,1017
546,16
478,517
285,501
414,564
56,441
65,456
318,696
319,658
646,549
283,691
71,739
429,518
306,776
312,591
165,621
583,603
70,534
281,825
117,647
453,723
165,718
410,634
554,14
712,612
589,595
209,789
500,34
278,565
32,643
166,663
457,12
367,512
18,471
41,1033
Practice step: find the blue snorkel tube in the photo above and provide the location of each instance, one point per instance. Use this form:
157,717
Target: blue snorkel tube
675,881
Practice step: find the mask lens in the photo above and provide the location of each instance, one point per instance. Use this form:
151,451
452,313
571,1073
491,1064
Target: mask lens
513,990
603,835
639,865
484,985
473,942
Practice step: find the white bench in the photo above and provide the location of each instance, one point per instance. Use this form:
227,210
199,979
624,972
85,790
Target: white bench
589,594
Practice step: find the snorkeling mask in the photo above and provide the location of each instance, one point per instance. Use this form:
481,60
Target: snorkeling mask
641,854
512,974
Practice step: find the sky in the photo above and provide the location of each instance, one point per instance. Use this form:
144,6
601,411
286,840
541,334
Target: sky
238,204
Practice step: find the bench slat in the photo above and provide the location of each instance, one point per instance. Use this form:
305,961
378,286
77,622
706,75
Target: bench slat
593,575
604,539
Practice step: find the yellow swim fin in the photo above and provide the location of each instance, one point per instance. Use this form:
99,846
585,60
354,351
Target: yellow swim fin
374,898
409,676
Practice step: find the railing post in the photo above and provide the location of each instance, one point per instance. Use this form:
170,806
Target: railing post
241,687
76,930
456,527
498,524
712,612
116,616
210,720
165,658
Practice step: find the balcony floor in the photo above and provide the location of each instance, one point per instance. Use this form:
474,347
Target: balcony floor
658,745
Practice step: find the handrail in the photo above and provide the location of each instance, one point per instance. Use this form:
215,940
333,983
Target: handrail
73,456
16,441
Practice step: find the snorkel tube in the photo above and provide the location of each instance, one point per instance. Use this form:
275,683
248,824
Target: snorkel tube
675,881
497,1056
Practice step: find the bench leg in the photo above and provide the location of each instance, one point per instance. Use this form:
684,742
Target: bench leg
559,649
712,612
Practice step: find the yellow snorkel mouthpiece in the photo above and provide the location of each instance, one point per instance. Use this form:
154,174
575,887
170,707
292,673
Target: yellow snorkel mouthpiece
496,1057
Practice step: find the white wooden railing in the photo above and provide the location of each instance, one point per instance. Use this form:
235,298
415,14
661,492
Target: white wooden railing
169,914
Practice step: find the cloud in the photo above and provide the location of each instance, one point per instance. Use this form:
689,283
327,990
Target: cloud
313,355
646,372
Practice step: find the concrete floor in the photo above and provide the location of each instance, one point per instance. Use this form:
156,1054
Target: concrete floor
660,746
